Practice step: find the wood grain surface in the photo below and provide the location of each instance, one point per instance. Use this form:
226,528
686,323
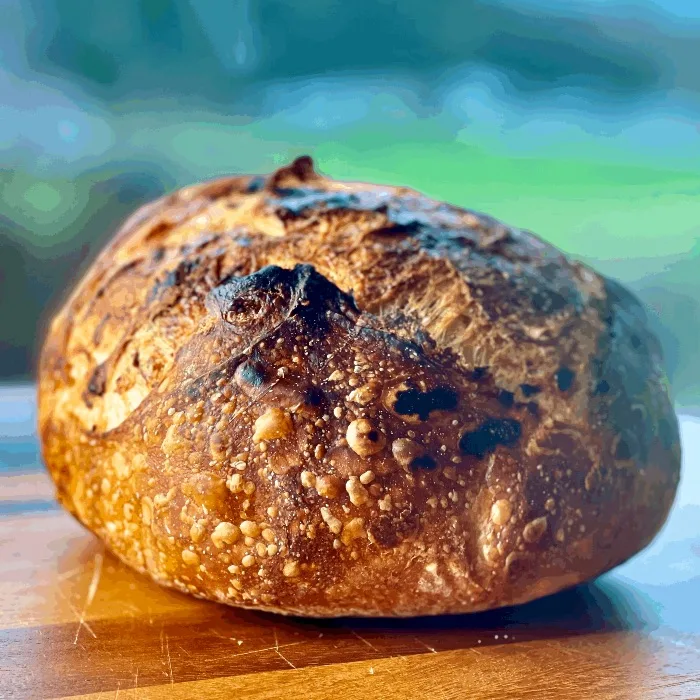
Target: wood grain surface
75,622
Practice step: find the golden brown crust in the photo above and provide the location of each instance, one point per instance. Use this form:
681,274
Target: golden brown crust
326,399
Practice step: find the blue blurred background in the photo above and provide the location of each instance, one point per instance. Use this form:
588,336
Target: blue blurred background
577,119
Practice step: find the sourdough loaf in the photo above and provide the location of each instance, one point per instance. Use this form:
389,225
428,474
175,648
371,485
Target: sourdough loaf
323,398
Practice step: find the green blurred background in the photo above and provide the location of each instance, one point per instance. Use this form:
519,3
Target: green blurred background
577,119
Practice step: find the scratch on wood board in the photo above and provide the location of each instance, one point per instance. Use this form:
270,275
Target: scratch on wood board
423,644
364,641
279,653
92,589
170,665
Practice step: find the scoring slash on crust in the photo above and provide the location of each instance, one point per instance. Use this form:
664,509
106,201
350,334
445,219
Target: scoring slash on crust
322,398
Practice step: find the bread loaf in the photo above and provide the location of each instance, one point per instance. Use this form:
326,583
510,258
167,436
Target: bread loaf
321,398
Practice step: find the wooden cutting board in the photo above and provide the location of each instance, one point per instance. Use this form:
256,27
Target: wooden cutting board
76,622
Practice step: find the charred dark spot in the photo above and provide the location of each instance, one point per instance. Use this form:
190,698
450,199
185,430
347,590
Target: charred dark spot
384,532
174,278
296,192
255,184
252,373
489,435
529,390
602,387
479,373
422,403
422,338
623,450
304,293
423,462
398,229
314,396
565,378
98,381
158,254
136,361
194,391
533,407
506,398
409,218
296,201
411,351
548,301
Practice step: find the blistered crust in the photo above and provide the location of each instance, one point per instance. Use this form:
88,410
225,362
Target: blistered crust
324,398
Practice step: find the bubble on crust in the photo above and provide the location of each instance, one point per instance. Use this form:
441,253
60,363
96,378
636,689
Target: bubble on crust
308,479
385,503
364,439
190,558
367,477
275,423
501,511
250,528
197,531
147,510
172,442
490,554
334,525
535,529
363,395
122,468
225,533
291,569
234,483
357,492
353,530
328,486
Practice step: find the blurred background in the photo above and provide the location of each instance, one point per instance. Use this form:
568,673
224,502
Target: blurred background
577,119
